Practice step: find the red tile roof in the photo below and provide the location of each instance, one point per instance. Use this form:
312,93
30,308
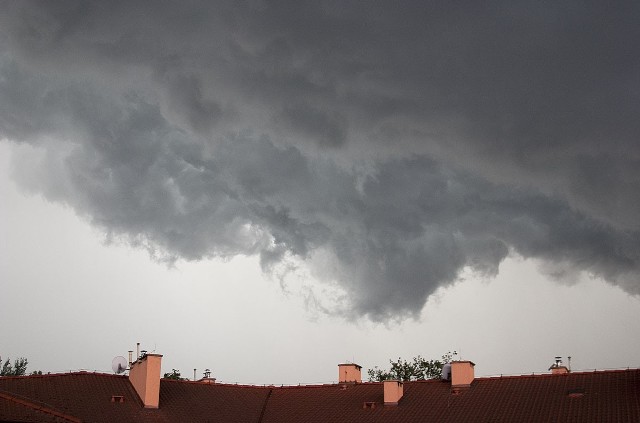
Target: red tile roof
88,397
15,409
611,396
207,402
83,396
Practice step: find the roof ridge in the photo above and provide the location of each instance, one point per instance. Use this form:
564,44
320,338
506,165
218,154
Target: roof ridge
541,375
9,396
70,373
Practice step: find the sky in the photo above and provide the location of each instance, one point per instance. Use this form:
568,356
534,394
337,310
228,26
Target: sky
268,189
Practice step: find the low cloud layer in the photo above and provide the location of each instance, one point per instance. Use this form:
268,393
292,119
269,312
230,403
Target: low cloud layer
387,147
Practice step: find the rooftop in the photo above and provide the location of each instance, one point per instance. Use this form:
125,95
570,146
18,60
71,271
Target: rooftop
612,395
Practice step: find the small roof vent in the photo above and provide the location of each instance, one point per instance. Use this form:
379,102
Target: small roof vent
575,392
117,398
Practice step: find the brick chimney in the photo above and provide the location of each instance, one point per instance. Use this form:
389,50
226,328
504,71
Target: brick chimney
206,377
558,370
349,372
393,391
462,374
144,375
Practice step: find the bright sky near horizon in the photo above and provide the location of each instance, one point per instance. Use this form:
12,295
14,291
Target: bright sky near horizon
268,191
72,302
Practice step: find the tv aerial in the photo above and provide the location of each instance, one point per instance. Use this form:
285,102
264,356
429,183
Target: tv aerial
119,364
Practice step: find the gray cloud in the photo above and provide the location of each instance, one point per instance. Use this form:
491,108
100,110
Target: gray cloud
404,143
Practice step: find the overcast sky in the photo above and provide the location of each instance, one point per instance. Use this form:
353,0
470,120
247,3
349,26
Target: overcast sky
270,188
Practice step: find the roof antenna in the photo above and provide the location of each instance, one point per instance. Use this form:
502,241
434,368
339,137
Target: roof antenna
569,362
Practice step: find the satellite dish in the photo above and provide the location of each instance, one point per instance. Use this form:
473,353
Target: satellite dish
446,371
119,364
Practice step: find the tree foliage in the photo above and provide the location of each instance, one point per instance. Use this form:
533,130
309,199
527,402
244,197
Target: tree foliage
418,368
19,367
175,375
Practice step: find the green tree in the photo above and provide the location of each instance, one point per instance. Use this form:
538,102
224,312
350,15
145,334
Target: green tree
175,375
19,367
418,368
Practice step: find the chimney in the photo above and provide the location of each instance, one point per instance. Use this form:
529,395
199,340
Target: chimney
349,372
144,375
462,374
393,391
557,368
206,377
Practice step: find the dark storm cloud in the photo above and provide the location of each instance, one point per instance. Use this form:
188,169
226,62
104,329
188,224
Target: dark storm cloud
402,142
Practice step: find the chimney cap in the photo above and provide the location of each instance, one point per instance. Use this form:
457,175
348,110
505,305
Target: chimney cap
144,357
464,361
391,381
350,364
